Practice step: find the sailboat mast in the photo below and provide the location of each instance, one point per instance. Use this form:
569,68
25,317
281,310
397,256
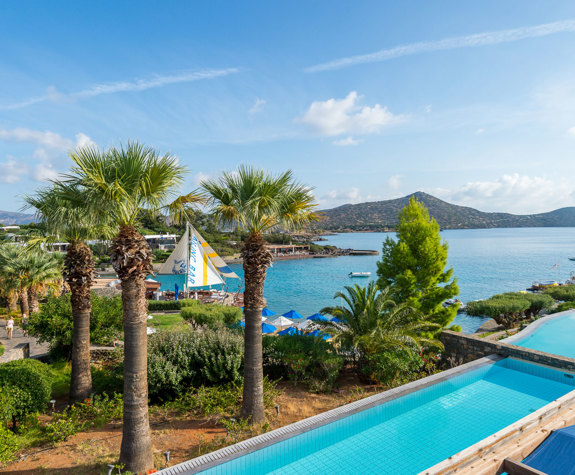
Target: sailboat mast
187,257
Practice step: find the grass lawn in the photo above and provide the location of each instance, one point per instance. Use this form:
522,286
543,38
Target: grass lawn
1,349
166,322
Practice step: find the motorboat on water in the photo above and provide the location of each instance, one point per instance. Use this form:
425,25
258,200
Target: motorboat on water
359,274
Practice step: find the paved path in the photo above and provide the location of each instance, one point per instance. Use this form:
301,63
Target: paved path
18,337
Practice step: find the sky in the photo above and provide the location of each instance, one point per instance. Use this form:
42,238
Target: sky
472,102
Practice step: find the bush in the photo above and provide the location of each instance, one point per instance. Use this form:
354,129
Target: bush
178,360
162,305
54,323
27,385
390,366
8,444
564,306
565,293
212,315
301,358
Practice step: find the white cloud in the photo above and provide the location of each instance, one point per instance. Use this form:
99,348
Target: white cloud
346,142
11,171
571,131
394,182
344,116
123,86
50,151
199,177
470,41
514,193
257,107
479,131
428,108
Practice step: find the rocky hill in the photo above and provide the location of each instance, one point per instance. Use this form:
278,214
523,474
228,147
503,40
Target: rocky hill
382,216
12,217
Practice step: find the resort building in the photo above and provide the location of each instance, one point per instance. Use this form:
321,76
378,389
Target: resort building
164,242
288,249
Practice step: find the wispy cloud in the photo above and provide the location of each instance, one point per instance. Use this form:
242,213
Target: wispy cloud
470,41
122,86
257,107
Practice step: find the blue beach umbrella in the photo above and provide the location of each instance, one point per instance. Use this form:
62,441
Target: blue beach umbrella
290,331
317,334
292,315
318,317
266,312
267,328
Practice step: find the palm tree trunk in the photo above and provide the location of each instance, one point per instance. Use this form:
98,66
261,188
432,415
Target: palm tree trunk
24,307
79,275
13,301
33,304
132,260
256,260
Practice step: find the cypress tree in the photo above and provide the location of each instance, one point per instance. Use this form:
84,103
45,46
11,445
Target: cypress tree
415,264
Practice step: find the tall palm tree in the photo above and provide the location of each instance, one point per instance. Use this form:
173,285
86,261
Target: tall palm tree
371,322
257,202
66,214
9,283
125,181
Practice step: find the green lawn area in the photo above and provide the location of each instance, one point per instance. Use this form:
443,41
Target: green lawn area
166,322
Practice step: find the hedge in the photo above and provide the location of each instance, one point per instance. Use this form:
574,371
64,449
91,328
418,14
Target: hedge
212,315
161,305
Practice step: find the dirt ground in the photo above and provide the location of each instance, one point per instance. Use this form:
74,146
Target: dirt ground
90,452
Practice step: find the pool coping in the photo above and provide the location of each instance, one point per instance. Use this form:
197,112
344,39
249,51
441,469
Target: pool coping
477,451
253,444
531,328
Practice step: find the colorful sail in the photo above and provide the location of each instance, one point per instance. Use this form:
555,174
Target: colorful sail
217,261
177,263
201,271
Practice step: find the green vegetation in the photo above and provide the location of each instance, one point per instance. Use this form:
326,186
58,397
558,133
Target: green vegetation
302,359
414,266
563,293
26,386
509,308
184,359
163,305
563,306
166,322
212,315
54,323
385,338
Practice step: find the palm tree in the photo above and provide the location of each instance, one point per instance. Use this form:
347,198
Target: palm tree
9,283
124,182
66,214
371,322
257,202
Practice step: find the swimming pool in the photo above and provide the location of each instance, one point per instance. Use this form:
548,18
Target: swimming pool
554,335
404,435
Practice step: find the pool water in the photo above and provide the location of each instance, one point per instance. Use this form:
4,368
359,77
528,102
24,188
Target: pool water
556,336
415,431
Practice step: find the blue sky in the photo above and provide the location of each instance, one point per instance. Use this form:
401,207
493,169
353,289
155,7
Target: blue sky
473,102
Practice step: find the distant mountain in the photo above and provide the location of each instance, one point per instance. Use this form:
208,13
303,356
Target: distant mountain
12,217
382,216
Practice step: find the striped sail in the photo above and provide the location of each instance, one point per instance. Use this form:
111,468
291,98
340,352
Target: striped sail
217,261
177,263
201,271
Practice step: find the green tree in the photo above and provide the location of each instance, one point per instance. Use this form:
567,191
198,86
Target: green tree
372,323
415,264
125,182
67,214
257,202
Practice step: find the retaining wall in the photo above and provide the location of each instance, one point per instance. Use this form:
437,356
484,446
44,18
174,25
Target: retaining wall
20,351
469,348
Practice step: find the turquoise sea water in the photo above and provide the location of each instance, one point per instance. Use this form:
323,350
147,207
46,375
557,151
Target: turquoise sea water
485,262
555,336
416,431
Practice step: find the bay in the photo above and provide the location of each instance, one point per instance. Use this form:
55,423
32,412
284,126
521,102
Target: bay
485,262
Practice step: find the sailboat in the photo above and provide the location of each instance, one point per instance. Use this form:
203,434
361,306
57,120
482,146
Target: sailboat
197,260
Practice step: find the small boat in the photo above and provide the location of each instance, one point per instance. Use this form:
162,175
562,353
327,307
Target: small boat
571,258
359,274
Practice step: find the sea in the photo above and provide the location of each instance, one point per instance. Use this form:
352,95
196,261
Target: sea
485,262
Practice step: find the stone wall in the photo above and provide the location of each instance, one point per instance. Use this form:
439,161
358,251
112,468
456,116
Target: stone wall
469,348
20,351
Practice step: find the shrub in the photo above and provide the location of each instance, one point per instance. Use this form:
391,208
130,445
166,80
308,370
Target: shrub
390,366
28,384
178,360
162,305
565,293
54,322
212,315
8,444
563,306
301,358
